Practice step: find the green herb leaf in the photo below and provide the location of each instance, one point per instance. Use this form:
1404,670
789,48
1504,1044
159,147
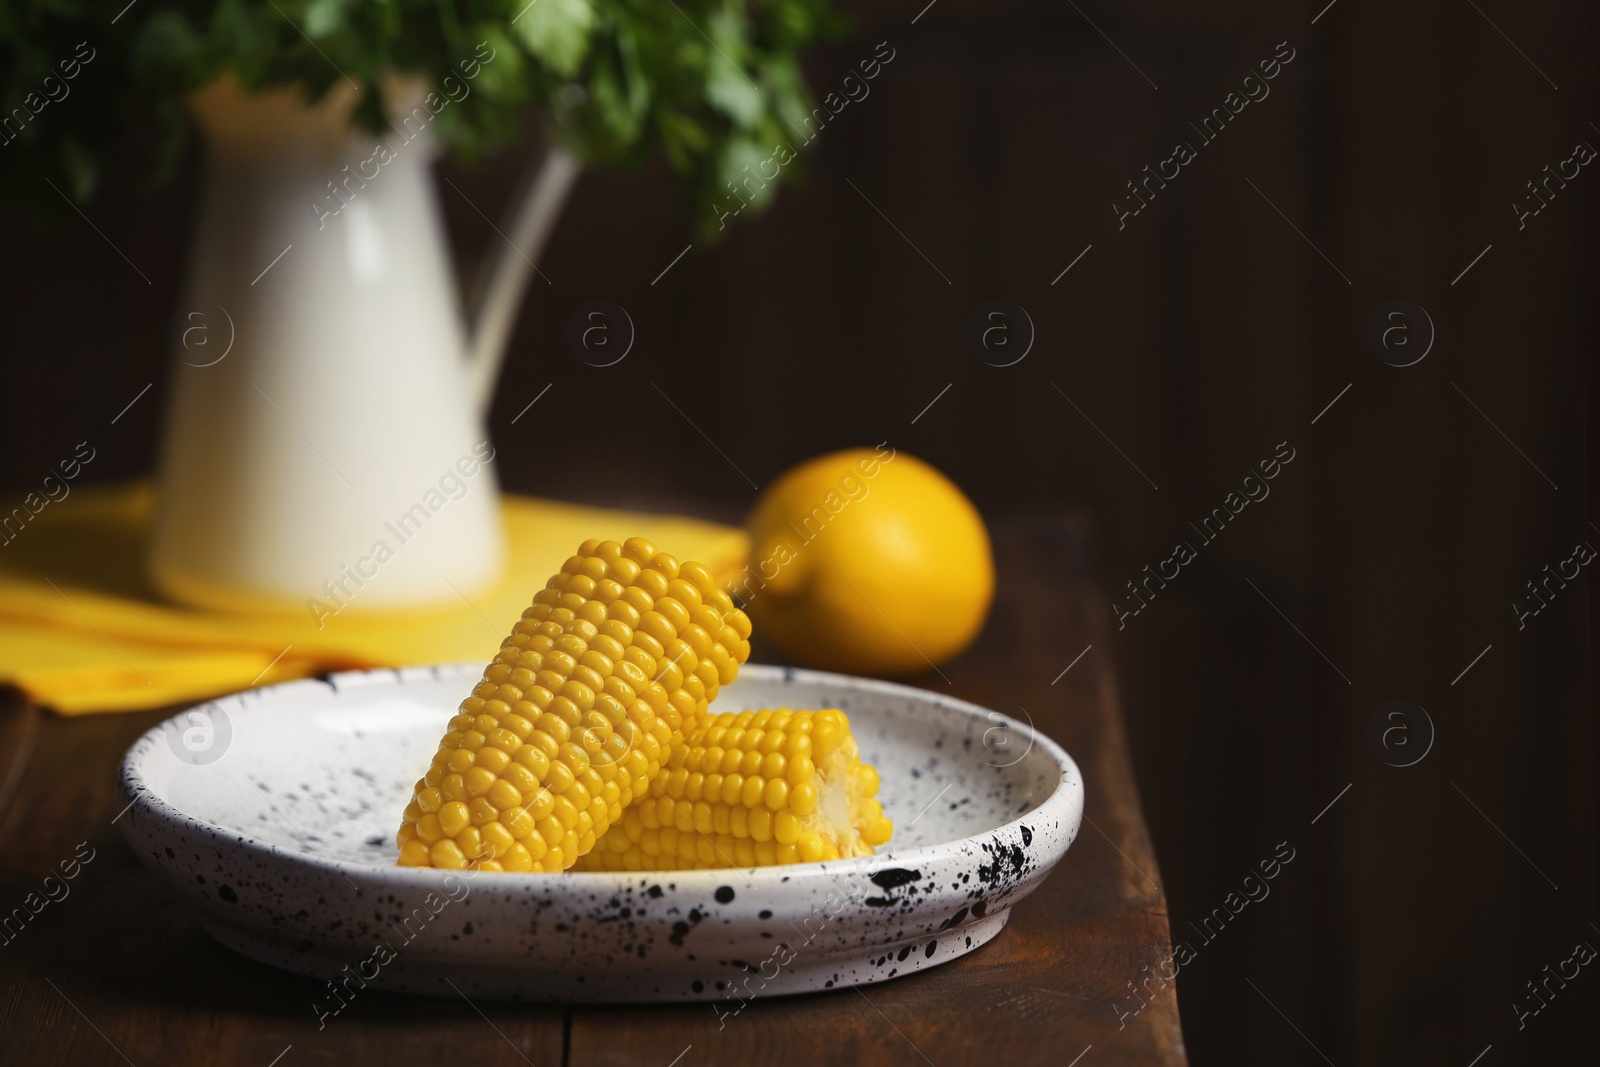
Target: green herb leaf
557,31
713,85
323,17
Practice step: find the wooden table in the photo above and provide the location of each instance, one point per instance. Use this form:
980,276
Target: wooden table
117,970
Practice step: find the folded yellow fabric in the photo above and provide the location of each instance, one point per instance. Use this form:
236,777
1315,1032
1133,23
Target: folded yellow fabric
82,631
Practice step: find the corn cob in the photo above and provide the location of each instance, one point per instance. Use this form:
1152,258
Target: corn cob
752,789
603,677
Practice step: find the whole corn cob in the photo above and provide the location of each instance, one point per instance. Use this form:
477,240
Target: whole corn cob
599,682
752,789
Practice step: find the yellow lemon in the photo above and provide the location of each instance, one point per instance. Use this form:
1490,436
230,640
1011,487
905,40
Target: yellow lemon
867,561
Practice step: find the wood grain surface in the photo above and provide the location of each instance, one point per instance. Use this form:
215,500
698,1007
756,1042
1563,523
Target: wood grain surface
116,970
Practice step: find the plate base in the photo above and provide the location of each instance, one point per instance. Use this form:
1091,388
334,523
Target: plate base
675,983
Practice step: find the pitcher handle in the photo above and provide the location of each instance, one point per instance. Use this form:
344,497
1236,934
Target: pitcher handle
537,207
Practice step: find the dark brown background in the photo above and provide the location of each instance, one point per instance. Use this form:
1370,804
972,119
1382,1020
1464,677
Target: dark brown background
1197,338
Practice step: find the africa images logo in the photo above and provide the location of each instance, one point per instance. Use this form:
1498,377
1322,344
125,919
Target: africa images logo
1000,333
600,333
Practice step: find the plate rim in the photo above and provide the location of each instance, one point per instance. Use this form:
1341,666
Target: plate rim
141,798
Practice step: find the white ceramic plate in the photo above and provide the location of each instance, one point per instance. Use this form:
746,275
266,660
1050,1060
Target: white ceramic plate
274,811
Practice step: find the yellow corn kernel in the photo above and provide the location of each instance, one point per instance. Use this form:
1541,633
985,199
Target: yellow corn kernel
414,854
817,803
453,818
578,714
499,839
448,855
809,845
803,799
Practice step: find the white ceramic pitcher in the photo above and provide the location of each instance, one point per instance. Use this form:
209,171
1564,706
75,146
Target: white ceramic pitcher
324,439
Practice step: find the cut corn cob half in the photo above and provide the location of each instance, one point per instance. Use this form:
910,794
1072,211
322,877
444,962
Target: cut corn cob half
594,688
752,789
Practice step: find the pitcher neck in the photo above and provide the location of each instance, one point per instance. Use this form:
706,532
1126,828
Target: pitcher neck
283,122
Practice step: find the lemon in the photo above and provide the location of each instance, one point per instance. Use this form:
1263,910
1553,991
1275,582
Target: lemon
867,561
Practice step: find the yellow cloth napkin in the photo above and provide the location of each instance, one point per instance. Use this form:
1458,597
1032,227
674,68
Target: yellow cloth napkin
81,630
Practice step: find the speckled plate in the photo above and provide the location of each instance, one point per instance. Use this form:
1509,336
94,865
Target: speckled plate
273,812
